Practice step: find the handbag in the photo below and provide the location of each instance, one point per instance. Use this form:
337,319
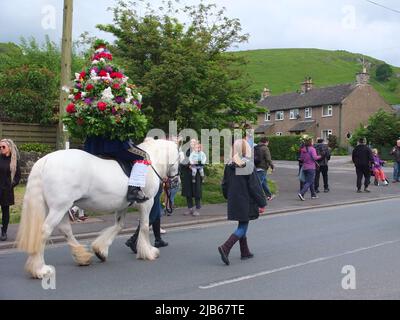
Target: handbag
302,176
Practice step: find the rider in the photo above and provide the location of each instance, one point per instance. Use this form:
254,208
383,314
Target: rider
125,151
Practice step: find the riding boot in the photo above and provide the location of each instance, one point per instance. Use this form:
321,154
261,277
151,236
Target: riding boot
135,194
158,243
226,248
3,234
244,249
132,241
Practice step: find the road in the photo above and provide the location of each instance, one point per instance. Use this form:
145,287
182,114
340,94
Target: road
297,256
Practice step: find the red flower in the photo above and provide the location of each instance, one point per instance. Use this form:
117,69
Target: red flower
78,96
116,86
89,87
70,108
118,75
102,106
82,75
103,73
80,121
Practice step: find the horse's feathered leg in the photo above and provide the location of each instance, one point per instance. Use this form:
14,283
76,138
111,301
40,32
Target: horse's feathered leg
145,250
104,240
81,256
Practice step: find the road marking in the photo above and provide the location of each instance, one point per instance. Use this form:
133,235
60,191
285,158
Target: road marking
298,265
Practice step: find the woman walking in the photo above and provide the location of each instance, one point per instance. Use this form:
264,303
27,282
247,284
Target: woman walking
308,158
10,175
245,196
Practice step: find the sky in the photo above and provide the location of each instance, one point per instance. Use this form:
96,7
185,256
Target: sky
357,26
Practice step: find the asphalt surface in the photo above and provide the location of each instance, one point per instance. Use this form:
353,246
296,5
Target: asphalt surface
298,255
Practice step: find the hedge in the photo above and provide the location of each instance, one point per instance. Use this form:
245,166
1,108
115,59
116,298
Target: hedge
284,147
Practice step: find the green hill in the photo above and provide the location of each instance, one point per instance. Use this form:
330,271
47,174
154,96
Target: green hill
282,70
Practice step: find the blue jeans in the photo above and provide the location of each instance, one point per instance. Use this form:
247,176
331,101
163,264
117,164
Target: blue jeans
241,230
309,183
396,171
156,210
174,191
262,176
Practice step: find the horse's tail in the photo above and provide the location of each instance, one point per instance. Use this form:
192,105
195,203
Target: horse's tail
30,233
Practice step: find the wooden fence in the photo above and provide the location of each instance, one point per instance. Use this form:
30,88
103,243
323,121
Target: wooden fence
29,133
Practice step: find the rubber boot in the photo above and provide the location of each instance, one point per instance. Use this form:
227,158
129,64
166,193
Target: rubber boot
244,249
158,243
226,248
135,194
132,241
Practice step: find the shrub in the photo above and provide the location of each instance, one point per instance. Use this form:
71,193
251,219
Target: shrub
35,147
283,148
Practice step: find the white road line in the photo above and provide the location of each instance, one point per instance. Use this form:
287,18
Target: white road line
264,273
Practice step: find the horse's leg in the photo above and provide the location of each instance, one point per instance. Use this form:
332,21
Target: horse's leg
104,240
81,256
145,250
35,263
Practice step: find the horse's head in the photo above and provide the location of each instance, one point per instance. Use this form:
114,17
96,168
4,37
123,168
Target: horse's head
164,155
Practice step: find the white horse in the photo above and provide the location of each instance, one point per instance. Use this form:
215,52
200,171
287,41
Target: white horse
66,178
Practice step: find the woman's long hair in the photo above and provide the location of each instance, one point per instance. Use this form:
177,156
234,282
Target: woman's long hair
14,156
240,149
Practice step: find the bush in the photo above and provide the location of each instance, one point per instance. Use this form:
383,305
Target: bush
36,147
383,72
283,148
340,152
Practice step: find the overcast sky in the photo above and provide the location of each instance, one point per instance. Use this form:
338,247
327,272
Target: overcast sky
353,25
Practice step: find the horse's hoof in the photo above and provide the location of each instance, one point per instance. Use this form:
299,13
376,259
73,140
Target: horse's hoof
101,257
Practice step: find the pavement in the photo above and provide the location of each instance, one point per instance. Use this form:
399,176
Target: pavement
342,185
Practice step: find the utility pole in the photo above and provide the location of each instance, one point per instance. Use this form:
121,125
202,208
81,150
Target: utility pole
66,62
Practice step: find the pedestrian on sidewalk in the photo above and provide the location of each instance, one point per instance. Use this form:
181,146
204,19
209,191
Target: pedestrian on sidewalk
362,158
396,166
245,196
154,222
191,190
322,168
380,177
10,174
263,161
308,158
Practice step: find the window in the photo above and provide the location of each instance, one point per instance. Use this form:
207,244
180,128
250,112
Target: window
280,115
326,133
308,113
279,134
327,111
267,116
294,114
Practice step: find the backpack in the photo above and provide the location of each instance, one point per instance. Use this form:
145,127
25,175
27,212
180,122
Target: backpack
258,155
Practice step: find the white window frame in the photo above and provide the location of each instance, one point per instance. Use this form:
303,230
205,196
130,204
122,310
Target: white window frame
280,112
294,113
329,133
267,117
330,111
309,111
279,134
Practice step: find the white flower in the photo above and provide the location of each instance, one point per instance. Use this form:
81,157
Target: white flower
102,60
71,96
139,97
100,50
77,76
93,73
107,95
65,89
84,94
95,62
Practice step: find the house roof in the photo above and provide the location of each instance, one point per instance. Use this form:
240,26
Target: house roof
314,97
302,126
261,129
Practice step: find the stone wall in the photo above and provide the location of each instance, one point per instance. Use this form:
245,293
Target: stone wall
27,161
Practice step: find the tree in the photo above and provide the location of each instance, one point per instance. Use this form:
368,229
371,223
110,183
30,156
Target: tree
383,129
184,70
384,72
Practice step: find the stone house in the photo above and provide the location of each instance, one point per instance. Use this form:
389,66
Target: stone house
336,110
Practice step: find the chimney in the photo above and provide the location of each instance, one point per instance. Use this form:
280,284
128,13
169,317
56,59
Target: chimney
307,85
265,94
363,77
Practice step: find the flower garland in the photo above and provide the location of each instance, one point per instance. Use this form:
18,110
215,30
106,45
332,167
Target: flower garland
102,101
